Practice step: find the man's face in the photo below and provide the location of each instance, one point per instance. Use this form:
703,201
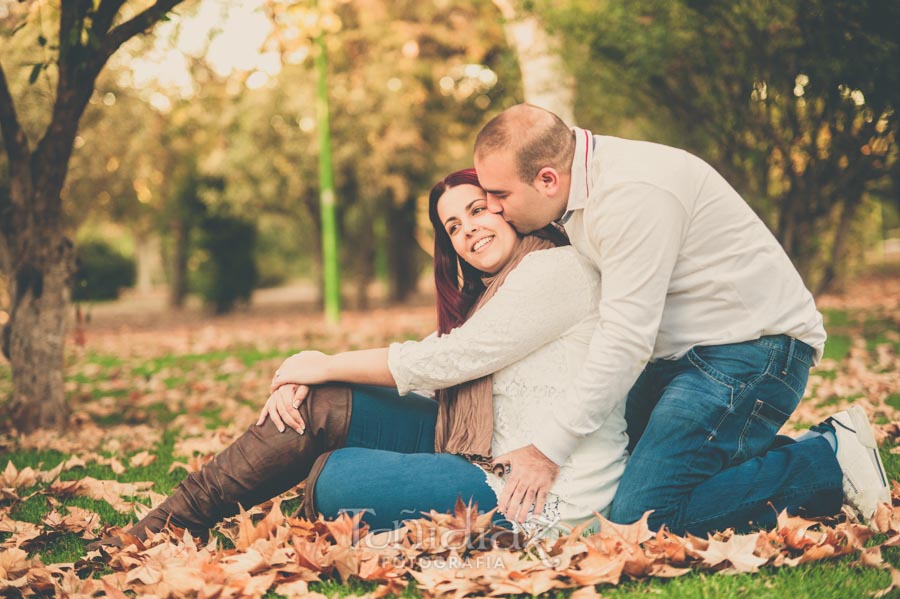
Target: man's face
526,206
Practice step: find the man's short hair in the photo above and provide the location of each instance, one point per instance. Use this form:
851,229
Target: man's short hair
537,137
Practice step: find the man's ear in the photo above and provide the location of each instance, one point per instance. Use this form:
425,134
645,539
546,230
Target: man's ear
547,180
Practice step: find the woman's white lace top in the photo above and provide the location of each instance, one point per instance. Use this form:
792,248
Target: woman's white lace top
533,335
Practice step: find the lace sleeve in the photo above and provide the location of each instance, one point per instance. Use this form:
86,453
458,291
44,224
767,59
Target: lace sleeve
547,294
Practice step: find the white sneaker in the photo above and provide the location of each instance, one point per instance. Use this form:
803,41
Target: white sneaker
865,481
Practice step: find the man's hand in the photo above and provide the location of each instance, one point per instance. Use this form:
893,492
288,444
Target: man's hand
305,368
531,475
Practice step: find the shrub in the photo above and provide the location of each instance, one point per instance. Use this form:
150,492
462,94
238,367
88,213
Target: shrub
228,273
101,272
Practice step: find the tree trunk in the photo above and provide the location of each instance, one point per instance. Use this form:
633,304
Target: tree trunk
178,284
148,262
403,270
34,338
834,271
40,259
546,81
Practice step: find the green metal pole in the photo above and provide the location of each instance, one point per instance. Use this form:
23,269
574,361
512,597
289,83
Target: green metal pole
382,252
332,291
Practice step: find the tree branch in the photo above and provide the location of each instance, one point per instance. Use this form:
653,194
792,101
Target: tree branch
143,21
14,140
71,21
104,15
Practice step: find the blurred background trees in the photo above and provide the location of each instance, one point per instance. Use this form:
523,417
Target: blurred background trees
794,102
195,162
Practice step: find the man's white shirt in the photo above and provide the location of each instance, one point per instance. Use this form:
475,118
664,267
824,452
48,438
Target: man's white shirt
684,262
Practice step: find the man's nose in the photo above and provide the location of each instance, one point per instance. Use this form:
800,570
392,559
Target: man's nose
494,205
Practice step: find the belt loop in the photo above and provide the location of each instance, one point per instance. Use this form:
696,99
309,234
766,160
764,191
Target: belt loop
790,356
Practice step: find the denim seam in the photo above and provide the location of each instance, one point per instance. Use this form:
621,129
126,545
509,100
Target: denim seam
712,373
757,414
779,346
798,396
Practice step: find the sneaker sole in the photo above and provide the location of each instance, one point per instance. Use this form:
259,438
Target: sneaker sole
864,433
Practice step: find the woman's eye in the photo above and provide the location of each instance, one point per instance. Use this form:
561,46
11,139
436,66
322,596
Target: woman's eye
452,229
477,209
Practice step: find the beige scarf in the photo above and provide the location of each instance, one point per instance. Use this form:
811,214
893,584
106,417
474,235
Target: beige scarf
465,420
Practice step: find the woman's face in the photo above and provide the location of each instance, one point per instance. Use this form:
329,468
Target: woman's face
480,237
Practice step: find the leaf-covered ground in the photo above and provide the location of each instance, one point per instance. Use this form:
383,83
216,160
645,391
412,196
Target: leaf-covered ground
154,398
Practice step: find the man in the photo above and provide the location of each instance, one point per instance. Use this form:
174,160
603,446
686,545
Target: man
706,327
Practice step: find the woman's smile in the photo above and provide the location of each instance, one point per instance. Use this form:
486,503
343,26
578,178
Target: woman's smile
480,237
482,243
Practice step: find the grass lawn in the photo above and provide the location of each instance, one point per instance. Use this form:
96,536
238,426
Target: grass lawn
143,404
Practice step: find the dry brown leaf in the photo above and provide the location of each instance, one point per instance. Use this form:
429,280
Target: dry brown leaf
737,551
589,592
871,557
597,567
292,588
12,478
795,531
14,563
23,533
531,583
78,520
895,584
144,458
632,534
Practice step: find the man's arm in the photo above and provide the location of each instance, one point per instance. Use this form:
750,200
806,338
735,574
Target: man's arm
638,230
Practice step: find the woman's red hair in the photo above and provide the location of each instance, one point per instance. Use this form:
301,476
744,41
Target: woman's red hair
458,284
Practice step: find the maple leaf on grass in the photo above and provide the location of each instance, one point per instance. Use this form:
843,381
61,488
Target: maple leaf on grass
597,567
312,555
248,532
376,567
346,530
886,518
438,582
14,563
142,459
530,583
589,592
737,552
630,534
23,534
670,548
12,478
345,560
111,491
795,531
895,584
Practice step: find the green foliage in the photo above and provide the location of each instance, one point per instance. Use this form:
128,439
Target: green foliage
102,272
794,102
228,272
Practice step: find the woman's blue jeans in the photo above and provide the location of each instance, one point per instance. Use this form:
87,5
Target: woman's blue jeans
388,469
704,453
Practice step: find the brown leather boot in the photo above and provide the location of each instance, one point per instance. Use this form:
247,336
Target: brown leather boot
259,465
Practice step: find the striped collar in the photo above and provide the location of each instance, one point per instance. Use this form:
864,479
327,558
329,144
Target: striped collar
580,186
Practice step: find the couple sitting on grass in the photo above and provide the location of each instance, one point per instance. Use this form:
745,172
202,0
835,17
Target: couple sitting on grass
647,366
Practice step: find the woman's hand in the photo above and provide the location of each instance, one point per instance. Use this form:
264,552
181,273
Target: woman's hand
282,406
305,368
530,475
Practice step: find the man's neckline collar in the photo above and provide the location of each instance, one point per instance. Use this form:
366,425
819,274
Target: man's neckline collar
580,185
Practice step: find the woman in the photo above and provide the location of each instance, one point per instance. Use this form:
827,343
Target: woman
515,317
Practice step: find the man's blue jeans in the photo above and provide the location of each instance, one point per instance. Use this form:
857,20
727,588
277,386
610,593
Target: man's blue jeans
388,467
704,453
